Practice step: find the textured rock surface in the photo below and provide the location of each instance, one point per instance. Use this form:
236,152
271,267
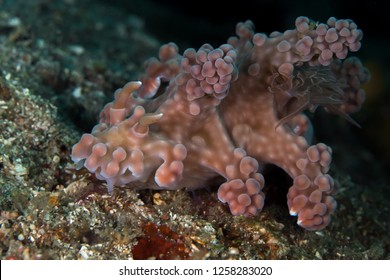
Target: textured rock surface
49,210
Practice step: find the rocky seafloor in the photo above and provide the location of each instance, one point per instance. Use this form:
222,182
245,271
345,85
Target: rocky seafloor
60,63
